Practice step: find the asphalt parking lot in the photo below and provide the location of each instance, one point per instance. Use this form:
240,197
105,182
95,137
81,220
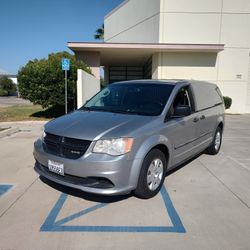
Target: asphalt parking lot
204,205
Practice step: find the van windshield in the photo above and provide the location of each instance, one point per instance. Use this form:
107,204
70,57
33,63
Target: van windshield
131,98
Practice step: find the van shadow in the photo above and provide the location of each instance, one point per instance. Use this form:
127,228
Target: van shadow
184,164
103,198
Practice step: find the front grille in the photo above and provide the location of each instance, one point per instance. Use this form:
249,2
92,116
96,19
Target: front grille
65,147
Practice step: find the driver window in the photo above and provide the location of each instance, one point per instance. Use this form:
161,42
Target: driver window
182,98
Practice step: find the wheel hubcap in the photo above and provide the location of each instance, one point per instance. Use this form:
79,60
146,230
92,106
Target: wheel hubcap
217,141
155,174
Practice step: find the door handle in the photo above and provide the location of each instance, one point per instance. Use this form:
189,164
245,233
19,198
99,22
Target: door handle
202,117
196,119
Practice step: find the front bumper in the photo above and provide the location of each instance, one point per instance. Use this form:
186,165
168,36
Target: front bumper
93,173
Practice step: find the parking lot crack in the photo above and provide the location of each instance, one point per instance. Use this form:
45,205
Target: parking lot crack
230,190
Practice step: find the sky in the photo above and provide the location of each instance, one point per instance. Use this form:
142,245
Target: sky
32,29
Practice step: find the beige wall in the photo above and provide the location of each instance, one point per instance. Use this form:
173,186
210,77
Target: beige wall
189,28
236,6
190,21
92,59
233,65
196,22
191,6
216,21
234,74
198,66
231,75
144,32
235,30
248,89
135,21
87,86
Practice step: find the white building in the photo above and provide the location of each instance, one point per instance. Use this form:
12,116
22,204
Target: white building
180,39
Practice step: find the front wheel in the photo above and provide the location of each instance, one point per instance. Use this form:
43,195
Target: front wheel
214,148
152,174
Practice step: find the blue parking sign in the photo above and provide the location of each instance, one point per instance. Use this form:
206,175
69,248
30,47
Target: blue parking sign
65,64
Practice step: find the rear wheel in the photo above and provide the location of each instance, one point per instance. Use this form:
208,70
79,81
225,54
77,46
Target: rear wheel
152,174
214,148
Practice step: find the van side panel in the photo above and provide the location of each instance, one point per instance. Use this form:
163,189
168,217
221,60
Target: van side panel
209,109
207,125
206,95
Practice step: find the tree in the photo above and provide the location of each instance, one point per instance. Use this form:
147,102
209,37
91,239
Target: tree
42,81
99,35
7,87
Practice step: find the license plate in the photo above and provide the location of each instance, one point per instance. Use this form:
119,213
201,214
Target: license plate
56,167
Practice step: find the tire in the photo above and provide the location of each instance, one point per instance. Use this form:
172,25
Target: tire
152,174
214,148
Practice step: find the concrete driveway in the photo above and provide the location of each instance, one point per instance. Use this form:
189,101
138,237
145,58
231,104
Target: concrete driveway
203,205
9,101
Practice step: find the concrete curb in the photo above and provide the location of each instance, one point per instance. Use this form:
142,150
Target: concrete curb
23,122
8,131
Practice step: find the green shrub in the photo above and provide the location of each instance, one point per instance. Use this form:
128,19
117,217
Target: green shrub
227,101
42,81
3,92
7,87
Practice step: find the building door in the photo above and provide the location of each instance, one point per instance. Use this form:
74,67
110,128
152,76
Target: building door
125,73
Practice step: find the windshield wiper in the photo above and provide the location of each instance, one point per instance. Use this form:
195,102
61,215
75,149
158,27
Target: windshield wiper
93,108
130,112
86,108
119,111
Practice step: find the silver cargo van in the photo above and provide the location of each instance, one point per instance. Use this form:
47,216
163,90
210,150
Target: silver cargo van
130,134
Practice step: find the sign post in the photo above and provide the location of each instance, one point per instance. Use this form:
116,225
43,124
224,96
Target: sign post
65,67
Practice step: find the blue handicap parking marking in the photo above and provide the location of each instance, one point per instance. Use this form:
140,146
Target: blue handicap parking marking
4,188
51,224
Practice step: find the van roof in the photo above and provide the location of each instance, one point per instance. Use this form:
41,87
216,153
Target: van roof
150,81
167,81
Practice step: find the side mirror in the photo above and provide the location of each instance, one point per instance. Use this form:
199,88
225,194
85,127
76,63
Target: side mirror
182,110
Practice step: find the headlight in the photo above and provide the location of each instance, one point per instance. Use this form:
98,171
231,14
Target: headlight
43,134
118,146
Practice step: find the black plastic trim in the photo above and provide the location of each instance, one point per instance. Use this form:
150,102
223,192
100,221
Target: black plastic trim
92,182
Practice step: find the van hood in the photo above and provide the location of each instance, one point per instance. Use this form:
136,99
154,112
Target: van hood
92,125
